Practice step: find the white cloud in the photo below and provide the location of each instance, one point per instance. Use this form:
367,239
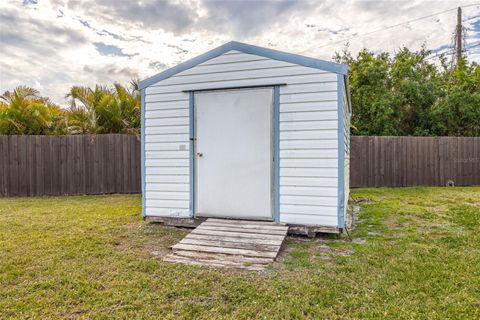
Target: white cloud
52,45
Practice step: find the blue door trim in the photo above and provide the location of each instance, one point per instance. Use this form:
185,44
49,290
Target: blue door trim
192,152
236,87
276,151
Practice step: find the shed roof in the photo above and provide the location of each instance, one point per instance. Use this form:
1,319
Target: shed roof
249,49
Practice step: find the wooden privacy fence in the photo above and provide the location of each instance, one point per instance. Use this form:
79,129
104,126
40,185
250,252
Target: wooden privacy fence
110,163
61,165
414,161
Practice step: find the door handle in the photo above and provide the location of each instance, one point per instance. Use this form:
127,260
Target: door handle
199,154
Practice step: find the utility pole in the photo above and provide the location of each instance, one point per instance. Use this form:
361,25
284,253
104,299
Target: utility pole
458,35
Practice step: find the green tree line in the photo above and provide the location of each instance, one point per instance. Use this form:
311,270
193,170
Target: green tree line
406,93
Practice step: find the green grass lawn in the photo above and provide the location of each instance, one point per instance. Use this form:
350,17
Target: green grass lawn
415,255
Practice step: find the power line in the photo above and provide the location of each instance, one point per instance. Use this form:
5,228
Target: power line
451,50
474,46
396,25
442,54
471,18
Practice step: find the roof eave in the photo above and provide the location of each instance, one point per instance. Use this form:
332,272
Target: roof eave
249,49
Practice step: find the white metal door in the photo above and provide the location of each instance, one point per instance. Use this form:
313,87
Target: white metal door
234,153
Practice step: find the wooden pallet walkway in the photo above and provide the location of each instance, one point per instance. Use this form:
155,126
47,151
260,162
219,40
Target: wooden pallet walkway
242,244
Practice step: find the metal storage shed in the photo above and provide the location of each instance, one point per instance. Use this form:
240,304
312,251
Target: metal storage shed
246,132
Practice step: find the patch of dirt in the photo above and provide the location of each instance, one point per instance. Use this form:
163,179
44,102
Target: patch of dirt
359,241
316,248
360,201
159,253
353,212
148,239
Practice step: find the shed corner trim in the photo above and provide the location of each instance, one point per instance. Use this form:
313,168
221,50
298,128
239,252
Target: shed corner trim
341,152
142,150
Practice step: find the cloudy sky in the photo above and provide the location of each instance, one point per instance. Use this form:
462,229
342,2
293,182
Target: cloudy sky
54,44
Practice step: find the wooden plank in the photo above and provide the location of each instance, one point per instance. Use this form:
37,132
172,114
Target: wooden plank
110,160
76,167
63,166
238,234
371,161
22,165
468,164
388,163
233,251
435,164
70,165
38,188
468,154
244,230
126,162
85,146
230,244
104,163
399,161
138,165
233,239
47,167
219,263
226,257
88,174
97,162
476,160
13,165
131,165
118,164
54,166
454,159
419,159
99,150
378,161
4,154
82,164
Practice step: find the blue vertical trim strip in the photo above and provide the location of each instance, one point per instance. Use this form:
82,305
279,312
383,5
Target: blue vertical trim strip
276,151
142,149
192,153
341,152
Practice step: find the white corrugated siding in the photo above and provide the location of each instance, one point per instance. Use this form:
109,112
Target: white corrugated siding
308,135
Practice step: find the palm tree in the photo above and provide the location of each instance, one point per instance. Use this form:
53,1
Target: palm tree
119,110
24,111
104,110
82,117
